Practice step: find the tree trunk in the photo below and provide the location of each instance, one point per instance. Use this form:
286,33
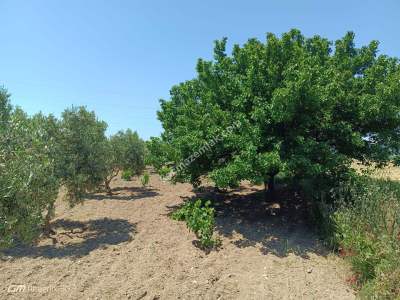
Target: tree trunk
108,180
269,188
108,188
271,183
265,190
50,214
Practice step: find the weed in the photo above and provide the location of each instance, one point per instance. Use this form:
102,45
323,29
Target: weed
127,175
365,225
145,179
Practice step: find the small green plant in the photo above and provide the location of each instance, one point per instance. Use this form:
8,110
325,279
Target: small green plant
145,179
164,171
200,218
127,175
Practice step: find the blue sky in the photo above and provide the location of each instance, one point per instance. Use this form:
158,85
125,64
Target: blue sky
120,57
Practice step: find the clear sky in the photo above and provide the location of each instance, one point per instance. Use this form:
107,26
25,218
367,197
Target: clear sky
120,57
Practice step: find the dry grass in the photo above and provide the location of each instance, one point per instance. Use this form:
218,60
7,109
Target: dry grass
390,172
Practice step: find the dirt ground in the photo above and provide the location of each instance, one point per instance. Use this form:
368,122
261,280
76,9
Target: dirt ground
125,246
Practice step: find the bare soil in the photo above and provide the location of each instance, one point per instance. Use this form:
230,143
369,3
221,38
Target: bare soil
125,246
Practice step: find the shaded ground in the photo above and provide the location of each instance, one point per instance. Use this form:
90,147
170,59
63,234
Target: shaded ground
131,249
76,239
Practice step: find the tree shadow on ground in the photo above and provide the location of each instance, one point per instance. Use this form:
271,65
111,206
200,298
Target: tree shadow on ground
76,239
125,193
275,227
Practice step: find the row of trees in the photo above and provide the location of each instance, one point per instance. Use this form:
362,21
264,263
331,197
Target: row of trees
38,154
307,108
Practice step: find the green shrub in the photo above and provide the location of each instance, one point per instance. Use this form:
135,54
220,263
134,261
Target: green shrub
199,218
145,179
321,215
367,229
127,175
164,171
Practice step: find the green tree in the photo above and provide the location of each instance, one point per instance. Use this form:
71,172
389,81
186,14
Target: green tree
82,164
305,108
28,181
47,131
160,153
126,151
134,152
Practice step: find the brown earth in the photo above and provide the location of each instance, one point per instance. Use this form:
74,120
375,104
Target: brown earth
125,246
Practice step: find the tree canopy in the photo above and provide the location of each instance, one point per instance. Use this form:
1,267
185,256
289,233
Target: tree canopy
28,181
126,151
39,153
83,152
306,107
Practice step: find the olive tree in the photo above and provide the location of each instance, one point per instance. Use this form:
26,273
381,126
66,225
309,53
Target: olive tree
28,181
305,107
126,151
82,164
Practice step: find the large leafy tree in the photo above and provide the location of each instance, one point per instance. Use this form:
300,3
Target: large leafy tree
28,181
82,164
126,151
305,107
160,153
